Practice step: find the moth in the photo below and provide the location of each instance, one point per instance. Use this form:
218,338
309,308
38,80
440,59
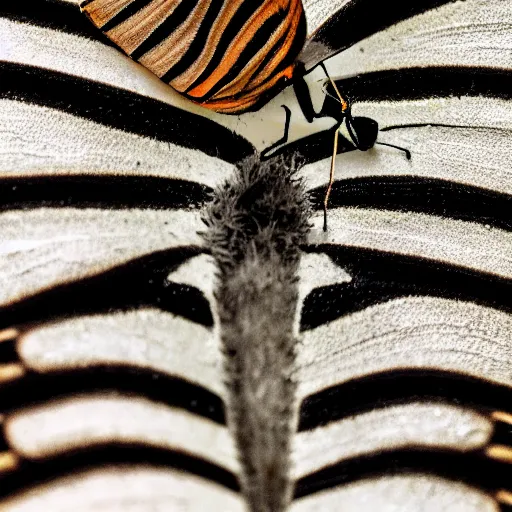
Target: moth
230,56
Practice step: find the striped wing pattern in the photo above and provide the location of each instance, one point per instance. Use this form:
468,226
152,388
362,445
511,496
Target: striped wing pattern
112,390
224,54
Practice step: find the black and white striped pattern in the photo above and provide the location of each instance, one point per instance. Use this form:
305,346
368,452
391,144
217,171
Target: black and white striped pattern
111,360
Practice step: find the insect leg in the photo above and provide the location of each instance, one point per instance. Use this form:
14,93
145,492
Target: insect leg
284,138
331,178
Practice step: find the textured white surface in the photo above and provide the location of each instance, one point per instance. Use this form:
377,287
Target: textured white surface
82,57
413,332
146,338
36,141
319,11
455,242
414,493
463,111
470,33
317,270
44,247
91,60
415,424
198,272
72,423
127,489
473,156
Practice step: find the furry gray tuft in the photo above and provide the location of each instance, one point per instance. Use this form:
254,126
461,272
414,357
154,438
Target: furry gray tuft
256,225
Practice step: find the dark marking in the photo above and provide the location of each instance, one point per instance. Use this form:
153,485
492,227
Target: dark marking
120,109
31,474
421,195
139,283
174,391
471,468
97,191
396,387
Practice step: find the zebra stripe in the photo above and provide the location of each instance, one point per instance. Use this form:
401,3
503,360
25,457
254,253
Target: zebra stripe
226,55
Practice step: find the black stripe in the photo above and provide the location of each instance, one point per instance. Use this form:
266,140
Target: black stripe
422,195
289,58
297,45
109,192
378,277
472,468
39,388
502,432
245,11
101,457
262,35
129,11
387,388
8,352
120,109
359,19
421,83
198,43
52,14
139,283
268,57
165,29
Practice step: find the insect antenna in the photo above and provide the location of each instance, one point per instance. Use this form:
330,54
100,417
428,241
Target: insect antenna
406,151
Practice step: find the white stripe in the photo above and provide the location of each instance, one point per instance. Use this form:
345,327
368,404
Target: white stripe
456,242
423,425
79,56
471,33
71,423
145,338
45,247
402,493
39,141
137,488
413,332
464,111
318,12
317,270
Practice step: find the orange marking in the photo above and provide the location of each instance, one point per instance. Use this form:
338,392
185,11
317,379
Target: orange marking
500,452
8,334
160,59
135,30
102,11
240,42
504,497
281,54
288,26
11,371
8,461
502,416
187,78
241,104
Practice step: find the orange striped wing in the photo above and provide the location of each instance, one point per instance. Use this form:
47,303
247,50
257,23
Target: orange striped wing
227,55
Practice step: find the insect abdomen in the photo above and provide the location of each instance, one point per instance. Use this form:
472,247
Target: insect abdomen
227,55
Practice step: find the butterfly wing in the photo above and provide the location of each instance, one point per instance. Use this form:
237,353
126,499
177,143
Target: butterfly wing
227,55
